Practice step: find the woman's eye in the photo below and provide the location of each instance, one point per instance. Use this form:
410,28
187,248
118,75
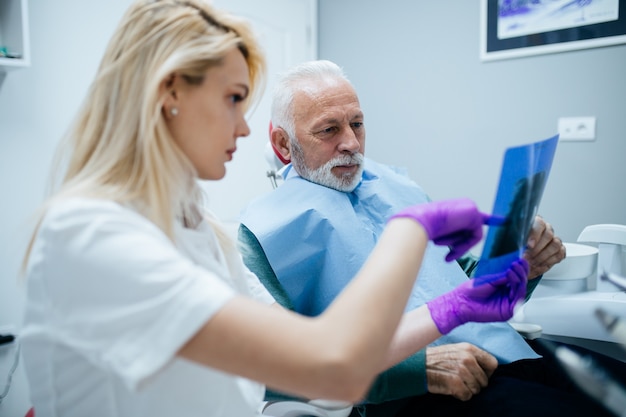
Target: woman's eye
236,98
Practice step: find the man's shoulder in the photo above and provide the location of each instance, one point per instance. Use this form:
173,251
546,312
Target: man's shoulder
297,192
288,205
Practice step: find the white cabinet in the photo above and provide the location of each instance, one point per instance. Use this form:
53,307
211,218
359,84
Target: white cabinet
14,35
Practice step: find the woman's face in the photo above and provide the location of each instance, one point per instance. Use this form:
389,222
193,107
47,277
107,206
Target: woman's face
210,116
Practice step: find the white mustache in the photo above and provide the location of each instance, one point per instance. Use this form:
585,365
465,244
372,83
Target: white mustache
354,159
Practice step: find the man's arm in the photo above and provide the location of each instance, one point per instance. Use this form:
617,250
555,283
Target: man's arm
407,378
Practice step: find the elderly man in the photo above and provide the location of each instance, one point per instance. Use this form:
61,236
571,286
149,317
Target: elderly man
306,239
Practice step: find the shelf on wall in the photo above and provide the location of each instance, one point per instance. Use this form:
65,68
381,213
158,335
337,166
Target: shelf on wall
14,35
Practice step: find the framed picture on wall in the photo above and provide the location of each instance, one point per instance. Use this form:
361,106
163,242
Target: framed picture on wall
517,28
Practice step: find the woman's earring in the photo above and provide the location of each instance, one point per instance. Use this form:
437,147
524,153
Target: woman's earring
174,111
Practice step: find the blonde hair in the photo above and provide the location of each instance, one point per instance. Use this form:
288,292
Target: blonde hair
119,147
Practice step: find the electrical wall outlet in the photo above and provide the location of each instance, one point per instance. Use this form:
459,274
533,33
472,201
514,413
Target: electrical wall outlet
577,128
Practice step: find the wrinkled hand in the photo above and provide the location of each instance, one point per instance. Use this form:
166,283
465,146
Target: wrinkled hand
455,223
459,369
483,299
543,248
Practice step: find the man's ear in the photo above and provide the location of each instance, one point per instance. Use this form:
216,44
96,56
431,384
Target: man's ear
280,143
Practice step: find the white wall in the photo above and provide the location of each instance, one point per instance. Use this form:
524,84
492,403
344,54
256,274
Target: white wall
432,106
288,32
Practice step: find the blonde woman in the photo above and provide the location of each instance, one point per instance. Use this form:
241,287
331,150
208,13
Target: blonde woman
138,305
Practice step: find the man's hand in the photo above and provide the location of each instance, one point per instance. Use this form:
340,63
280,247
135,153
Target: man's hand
458,369
544,249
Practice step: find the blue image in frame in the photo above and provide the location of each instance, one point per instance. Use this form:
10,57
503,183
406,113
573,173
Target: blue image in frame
523,178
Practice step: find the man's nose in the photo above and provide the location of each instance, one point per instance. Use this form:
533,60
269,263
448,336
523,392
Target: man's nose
349,142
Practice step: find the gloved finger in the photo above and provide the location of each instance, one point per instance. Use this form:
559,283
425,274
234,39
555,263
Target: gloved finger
520,269
516,298
468,237
515,291
523,263
493,220
456,251
497,279
516,273
459,243
518,278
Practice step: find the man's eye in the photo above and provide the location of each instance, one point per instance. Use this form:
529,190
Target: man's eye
357,125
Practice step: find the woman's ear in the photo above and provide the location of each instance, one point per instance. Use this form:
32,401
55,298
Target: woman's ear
280,143
168,90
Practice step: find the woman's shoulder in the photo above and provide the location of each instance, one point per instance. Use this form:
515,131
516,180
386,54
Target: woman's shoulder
77,212
69,206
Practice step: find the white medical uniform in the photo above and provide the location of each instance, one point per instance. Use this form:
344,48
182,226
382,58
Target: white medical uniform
111,300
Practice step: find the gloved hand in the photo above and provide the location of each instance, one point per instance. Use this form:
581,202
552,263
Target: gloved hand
455,223
483,299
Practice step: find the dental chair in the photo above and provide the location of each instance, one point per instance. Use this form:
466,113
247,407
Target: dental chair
313,408
611,241
292,408
565,301
275,162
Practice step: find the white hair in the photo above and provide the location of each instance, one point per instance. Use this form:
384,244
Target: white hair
290,82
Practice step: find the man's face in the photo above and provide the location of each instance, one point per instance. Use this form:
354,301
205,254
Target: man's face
330,134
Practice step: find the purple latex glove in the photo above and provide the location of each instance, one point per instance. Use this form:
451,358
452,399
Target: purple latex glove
455,223
486,298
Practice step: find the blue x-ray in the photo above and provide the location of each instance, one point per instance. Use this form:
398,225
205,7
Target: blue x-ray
523,178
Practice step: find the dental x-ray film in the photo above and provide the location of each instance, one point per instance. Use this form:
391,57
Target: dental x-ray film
523,178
